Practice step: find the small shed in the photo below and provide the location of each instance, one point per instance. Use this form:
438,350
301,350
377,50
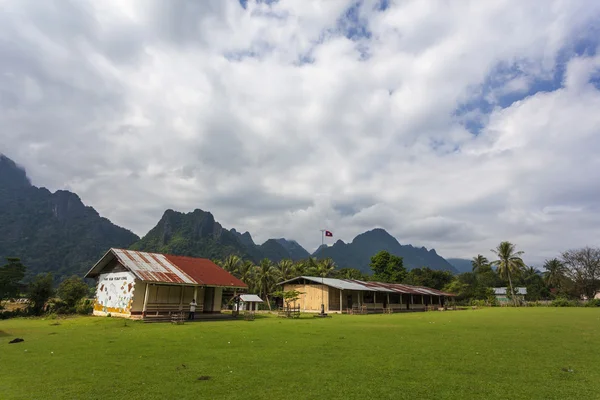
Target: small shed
503,294
249,302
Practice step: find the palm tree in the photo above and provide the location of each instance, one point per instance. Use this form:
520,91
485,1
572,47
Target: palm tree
555,272
247,274
285,270
480,264
265,278
231,263
325,267
509,263
311,266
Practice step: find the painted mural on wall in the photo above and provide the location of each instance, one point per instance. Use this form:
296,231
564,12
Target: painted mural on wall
114,292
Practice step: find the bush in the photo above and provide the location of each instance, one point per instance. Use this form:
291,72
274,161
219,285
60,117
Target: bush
84,307
562,302
60,307
478,303
72,290
17,312
593,303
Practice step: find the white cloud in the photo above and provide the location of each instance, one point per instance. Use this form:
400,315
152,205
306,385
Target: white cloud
277,123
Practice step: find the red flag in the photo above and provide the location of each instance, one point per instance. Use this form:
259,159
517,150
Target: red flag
328,234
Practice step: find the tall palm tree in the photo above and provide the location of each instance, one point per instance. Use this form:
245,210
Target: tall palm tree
231,263
311,266
509,263
285,270
265,278
247,274
555,272
480,264
325,267
300,268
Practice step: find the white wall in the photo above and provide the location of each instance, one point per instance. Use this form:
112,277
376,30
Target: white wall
114,293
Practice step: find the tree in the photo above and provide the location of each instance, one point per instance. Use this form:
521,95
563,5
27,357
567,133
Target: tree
265,278
555,273
247,273
532,279
509,264
285,270
231,263
351,273
10,275
428,277
480,264
288,296
387,267
325,267
40,290
583,267
71,290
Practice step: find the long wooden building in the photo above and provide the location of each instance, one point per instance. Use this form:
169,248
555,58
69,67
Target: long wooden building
349,295
137,284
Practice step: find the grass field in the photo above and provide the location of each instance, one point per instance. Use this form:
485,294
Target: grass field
533,353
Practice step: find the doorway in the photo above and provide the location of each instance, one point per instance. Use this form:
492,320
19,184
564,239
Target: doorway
209,299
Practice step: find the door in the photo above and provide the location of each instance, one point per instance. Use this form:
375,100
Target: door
349,301
209,299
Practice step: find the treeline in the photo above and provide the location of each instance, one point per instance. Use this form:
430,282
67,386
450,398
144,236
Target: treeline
70,297
573,276
566,280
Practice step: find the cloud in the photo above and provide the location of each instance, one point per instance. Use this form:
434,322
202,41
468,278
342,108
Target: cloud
454,125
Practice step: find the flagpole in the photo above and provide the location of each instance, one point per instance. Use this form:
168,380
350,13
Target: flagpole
322,280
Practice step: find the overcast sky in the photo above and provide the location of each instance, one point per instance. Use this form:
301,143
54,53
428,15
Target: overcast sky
451,124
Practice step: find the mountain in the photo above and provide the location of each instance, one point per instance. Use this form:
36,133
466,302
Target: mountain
194,234
295,250
357,254
461,264
198,234
51,232
273,250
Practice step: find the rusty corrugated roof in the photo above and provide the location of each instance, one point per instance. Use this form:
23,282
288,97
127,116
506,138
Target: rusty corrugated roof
161,268
206,272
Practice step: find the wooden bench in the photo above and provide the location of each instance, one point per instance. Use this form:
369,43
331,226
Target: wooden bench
289,312
178,318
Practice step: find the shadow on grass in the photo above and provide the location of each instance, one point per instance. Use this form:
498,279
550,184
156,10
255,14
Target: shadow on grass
3,334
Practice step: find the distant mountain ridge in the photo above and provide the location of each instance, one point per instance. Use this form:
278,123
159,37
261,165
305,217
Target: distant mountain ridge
56,232
461,264
357,254
51,232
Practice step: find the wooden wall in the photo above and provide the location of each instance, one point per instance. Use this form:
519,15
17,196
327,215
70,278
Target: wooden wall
310,299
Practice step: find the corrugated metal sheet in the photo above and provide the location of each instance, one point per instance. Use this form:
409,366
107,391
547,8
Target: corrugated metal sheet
250,298
160,268
206,272
503,290
353,284
152,267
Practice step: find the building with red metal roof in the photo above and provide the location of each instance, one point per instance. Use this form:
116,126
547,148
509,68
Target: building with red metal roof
354,296
137,284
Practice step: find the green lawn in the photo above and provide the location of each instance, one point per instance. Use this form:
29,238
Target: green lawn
527,353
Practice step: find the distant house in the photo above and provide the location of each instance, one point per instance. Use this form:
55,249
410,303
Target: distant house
346,295
135,284
502,294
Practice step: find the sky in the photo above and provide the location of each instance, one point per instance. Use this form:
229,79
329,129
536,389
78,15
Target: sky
451,124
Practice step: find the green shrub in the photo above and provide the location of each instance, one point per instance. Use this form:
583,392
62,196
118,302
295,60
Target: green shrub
593,303
562,302
478,303
17,312
60,307
84,307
